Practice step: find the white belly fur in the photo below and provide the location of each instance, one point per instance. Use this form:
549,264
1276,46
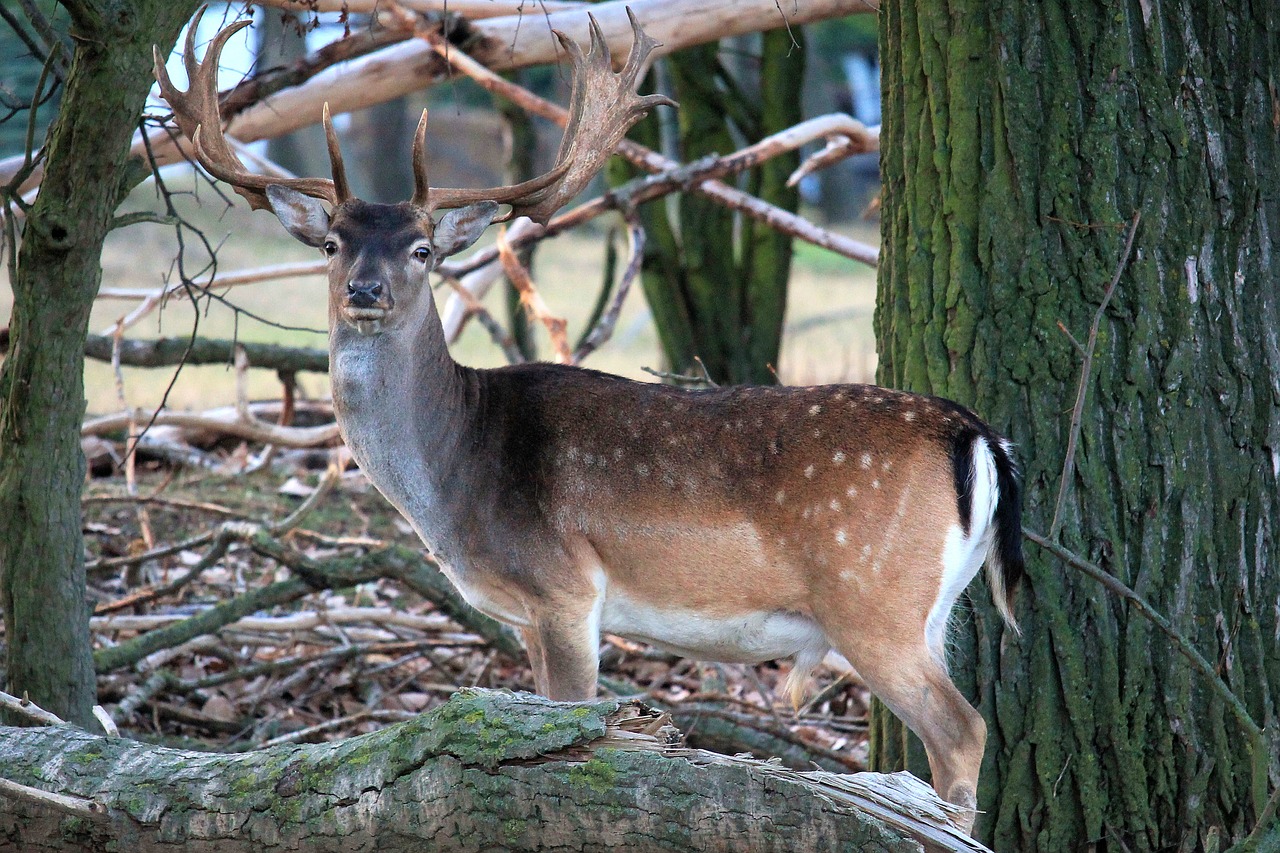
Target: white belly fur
746,638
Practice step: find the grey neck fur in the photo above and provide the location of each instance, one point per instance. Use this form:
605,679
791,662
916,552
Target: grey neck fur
402,404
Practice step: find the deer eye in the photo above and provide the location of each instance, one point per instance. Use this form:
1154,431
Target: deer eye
422,253
330,248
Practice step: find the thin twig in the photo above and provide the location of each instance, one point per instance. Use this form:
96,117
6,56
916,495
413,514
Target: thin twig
1086,369
603,329
1181,643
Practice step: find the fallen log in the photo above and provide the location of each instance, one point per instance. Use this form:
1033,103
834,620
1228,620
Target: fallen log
488,770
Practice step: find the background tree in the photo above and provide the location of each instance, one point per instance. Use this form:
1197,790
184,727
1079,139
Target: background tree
42,582
715,281
1019,140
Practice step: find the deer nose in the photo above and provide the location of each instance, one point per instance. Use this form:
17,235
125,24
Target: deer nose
364,294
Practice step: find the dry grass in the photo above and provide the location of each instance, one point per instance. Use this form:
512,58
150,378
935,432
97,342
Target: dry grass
829,335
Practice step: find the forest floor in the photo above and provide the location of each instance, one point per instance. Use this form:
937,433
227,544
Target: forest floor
344,661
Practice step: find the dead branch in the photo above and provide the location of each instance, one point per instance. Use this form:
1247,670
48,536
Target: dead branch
153,299
249,430
1086,371
503,43
472,9
603,329
168,352
651,161
533,301
30,710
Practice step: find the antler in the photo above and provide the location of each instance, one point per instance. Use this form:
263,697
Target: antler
603,107
196,111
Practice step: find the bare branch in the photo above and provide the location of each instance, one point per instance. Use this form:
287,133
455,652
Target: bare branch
1086,370
603,329
471,9
532,300
251,430
64,803
30,710
502,43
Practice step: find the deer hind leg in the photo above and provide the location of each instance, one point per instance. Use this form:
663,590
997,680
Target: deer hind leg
916,687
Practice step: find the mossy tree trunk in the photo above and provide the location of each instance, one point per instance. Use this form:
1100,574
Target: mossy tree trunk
42,582
716,281
486,771
1019,141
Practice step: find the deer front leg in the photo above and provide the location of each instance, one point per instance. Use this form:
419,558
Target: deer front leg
564,650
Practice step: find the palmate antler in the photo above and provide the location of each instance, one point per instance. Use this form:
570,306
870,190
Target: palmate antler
603,107
196,111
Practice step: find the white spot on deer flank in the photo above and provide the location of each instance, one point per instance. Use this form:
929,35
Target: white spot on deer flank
815,410
808,472
866,461
572,453
875,484
852,491
909,416
866,552
780,497
617,453
838,457
842,538
835,505
642,469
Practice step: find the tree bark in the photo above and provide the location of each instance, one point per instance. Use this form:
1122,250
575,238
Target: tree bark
42,401
1019,141
485,771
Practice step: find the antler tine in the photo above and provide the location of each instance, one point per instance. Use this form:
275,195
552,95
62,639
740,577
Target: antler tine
341,189
642,48
421,186
429,198
603,107
196,112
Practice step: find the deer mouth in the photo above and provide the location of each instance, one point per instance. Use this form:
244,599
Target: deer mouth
367,319
366,313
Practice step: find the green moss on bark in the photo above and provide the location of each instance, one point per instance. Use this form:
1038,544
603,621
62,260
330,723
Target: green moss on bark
1019,139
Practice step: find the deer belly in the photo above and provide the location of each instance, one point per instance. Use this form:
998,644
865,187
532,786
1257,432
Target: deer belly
747,637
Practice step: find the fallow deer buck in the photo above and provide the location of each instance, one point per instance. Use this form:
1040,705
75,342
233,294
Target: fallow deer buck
734,524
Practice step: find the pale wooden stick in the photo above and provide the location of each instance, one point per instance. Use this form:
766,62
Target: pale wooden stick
307,620
475,10
30,709
533,301
64,803
152,299
254,430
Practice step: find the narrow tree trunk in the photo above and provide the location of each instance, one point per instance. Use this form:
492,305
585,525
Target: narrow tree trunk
1019,141
42,401
716,282
487,771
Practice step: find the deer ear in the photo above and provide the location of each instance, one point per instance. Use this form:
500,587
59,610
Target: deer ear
459,228
302,216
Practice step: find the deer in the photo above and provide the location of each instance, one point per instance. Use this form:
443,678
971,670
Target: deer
734,524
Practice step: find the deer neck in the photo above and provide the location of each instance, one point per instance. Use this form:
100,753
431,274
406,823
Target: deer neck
402,404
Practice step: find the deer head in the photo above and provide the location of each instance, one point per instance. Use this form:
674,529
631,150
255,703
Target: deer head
380,255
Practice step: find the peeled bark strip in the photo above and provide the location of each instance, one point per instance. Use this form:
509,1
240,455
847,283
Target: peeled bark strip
488,770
